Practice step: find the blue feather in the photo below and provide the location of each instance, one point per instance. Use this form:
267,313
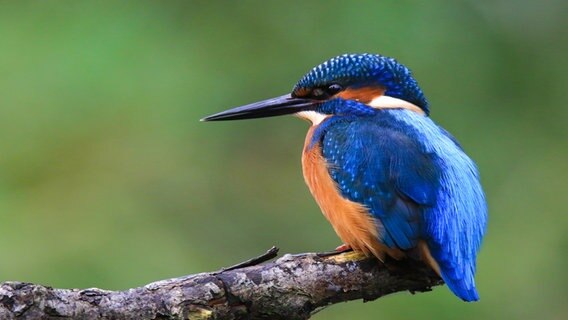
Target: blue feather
414,178
455,226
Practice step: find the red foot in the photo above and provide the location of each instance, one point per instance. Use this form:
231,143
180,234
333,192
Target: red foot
343,248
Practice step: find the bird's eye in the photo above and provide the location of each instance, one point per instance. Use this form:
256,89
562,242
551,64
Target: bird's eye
333,89
325,92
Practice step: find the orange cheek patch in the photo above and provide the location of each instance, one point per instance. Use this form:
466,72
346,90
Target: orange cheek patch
301,92
364,94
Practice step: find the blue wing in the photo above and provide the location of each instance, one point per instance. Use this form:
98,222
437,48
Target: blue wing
378,165
416,181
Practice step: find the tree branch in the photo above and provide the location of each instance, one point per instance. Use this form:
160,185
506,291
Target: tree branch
292,287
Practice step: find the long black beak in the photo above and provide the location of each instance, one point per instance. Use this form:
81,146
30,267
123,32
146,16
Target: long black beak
278,106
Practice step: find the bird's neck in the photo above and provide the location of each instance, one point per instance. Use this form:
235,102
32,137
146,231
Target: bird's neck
380,102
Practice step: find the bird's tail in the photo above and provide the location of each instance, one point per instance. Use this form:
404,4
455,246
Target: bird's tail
462,285
459,274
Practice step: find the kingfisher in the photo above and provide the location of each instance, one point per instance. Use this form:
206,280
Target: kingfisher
389,179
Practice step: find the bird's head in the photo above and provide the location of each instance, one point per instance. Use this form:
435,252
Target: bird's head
374,80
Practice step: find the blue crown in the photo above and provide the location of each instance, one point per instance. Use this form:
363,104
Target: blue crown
360,70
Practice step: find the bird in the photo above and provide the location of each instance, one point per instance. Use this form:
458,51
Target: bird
390,181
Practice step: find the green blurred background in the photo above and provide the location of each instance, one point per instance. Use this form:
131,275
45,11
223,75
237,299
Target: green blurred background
107,178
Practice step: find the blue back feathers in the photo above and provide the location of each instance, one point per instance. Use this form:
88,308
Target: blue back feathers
359,70
413,177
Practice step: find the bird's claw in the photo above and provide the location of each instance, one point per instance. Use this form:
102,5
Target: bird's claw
343,248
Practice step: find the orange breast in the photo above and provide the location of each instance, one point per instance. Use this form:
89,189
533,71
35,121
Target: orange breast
350,220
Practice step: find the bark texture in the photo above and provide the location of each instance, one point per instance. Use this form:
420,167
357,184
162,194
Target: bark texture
292,287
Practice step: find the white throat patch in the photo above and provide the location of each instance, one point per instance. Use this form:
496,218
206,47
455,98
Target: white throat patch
386,102
314,117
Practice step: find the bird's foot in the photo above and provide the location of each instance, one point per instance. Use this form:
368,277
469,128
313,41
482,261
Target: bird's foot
343,248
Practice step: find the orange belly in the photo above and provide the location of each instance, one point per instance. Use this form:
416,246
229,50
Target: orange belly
350,220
